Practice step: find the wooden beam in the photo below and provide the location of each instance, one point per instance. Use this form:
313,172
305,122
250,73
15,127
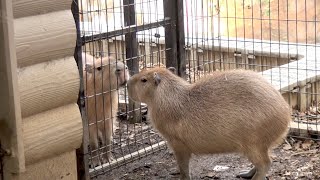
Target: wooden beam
44,37
302,98
10,113
52,132
62,166
23,8
48,85
304,130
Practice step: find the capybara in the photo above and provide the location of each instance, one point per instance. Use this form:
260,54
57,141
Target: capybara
102,78
227,112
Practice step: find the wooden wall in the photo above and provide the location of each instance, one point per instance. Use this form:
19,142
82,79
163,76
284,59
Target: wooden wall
48,85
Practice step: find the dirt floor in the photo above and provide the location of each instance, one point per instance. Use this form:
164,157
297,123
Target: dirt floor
294,159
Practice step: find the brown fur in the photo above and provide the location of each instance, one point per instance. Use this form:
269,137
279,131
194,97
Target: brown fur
234,111
101,83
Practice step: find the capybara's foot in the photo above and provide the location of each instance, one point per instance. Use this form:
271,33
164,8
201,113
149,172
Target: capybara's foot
247,174
95,162
108,158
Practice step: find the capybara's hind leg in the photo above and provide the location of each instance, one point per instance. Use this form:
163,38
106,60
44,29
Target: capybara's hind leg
183,157
247,174
261,161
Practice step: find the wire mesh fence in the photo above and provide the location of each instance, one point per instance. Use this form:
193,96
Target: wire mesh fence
117,35
278,38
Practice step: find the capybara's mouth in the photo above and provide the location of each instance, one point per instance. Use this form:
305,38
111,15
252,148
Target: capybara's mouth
123,84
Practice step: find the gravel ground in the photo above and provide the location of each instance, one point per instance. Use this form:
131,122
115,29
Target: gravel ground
294,159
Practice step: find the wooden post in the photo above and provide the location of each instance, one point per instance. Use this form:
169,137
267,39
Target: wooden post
82,152
302,98
174,36
10,111
131,54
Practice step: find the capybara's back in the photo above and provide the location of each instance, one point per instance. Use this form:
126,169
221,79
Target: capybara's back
240,110
232,111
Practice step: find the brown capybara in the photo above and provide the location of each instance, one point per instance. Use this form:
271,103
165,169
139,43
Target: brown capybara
102,78
227,112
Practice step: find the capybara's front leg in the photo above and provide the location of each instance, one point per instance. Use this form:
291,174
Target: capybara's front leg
261,160
108,140
183,156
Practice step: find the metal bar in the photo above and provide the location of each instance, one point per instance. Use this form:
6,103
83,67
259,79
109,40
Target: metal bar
170,33
174,36
181,40
126,30
131,52
82,152
130,36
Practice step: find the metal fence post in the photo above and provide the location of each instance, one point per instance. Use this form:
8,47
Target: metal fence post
82,152
131,53
174,36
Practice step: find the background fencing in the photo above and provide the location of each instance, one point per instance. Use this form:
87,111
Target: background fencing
278,38
129,31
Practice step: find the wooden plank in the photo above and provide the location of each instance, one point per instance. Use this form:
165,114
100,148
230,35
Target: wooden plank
10,112
23,8
61,166
304,130
302,99
147,50
52,132
44,37
48,85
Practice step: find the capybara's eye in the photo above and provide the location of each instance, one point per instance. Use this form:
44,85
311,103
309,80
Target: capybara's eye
99,68
143,80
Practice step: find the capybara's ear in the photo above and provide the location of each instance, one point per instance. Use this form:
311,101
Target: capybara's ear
172,69
157,78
